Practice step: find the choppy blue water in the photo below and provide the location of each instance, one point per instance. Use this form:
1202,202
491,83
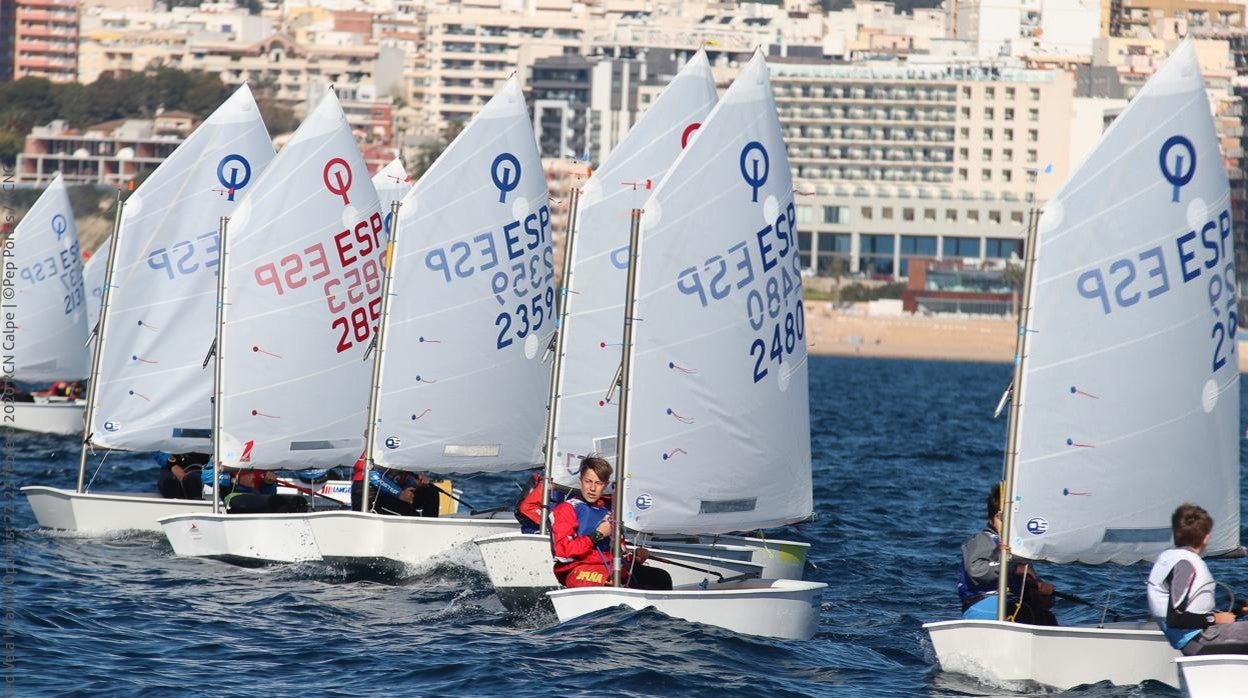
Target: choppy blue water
904,452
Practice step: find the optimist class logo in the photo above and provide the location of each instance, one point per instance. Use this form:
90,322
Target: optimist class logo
234,182
59,225
755,170
505,172
688,134
337,176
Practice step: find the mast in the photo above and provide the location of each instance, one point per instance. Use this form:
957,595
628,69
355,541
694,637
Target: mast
98,330
375,391
556,368
1011,445
216,369
621,438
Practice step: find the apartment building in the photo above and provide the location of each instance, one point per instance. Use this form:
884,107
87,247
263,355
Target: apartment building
111,153
45,39
8,10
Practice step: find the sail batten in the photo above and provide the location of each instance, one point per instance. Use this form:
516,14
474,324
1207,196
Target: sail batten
1130,393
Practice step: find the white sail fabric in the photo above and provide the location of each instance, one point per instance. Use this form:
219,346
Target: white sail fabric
303,294
463,384
587,422
719,422
93,282
1130,395
392,184
46,339
155,392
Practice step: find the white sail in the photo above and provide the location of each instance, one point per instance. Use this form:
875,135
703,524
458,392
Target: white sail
719,423
303,283
93,282
472,308
587,422
392,184
46,336
155,392
1130,393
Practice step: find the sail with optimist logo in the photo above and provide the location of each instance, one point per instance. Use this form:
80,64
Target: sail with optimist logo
48,304
1130,392
93,282
303,268
472,307
718,413
154,391
587,420
392,184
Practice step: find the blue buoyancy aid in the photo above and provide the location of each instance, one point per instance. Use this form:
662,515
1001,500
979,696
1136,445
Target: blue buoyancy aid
588,517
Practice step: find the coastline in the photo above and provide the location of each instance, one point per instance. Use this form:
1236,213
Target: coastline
859,333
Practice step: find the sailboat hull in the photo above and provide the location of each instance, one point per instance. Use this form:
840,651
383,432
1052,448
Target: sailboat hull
93,513
522,570
1001,653
781,559
1214,675
47,417
356,538
247,539
781,608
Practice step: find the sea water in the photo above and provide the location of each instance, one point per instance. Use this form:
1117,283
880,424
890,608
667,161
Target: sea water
904,452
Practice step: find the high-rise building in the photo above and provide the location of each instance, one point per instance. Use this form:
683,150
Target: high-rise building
8,8
45,39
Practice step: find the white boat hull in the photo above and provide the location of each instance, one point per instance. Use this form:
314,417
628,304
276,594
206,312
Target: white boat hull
780,608
95,513
781,559
521,568
1003,654
356,538
1214,676
49,417
242,538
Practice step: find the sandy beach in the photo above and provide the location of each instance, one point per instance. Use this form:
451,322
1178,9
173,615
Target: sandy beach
945,337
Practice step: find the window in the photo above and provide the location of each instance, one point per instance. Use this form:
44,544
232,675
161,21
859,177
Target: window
966,92
994,217
960,247
1008,134
966,112
834,242
1033,114
990,92
951,215
989,113
805,215
1016,216
1032,135
1003,248
964,154
929,215
1031,155
886,213
920,245
1009,114
907,214
964,133
987,134
986,155
1035,94
961,174
1007,176
865,212
1009,93
835,214
972,216
876,254
1007,154
985,175
1031,176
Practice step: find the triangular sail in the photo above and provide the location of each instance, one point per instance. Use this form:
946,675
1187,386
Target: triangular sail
154,391
48,305
719,425
472,306
303,283
93,282
587,421
1130,393
392,184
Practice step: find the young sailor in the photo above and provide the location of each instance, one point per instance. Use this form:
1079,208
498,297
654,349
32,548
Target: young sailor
180,475
981,568
1181,592
394,492
253,492
580,535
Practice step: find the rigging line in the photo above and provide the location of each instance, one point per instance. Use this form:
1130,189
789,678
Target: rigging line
97,468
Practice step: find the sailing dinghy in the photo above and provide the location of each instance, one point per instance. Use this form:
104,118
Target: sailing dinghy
150,390
44,340
1127,390
302,262
1213,675
459,373
715,435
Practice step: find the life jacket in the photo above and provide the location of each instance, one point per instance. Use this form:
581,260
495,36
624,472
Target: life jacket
1197,598
376,480
968,590
588,517
531,500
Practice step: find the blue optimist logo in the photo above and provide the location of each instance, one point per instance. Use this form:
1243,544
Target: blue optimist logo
111,426
1037,526
1178,163
506,175
755,166
233,172
392,442
643,501
59,225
